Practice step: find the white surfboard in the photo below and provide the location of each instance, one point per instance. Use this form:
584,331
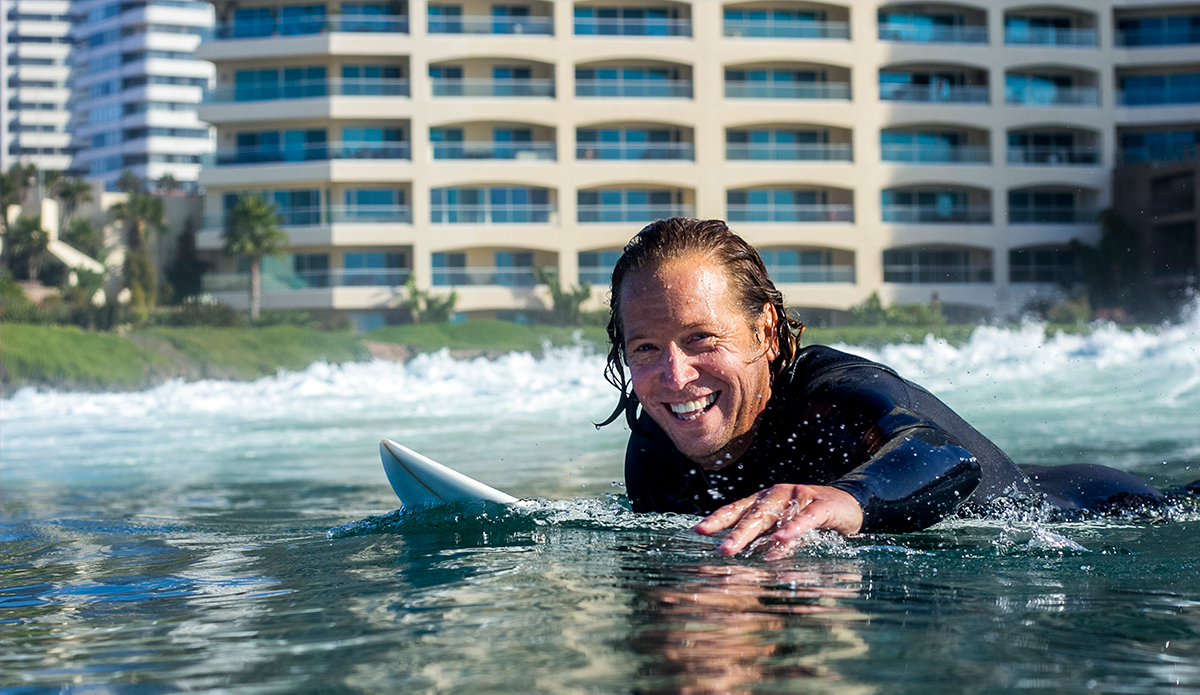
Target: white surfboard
419,481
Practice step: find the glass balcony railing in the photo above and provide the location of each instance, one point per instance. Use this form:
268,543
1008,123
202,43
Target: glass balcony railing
1043,95
811,273
314,279
1165,95
523,151
633,213
384,24
935,154
635,150
937,214
330,214
928,33
307,89
1158,153
1049,36
307,153
787,90
502,277
1161,35
483,24
492,87
1051,215
790,213
595,275
632,26
789,152
443,213
944,92
919,274
670,89
786,29
1079,155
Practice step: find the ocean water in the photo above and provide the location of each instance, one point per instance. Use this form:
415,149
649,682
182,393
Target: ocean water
242,538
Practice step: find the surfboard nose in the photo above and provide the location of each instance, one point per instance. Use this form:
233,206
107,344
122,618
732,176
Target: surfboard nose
419,481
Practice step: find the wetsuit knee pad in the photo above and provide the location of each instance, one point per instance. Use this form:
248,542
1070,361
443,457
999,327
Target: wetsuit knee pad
1089,486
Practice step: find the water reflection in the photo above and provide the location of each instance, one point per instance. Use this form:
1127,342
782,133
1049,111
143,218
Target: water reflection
728,628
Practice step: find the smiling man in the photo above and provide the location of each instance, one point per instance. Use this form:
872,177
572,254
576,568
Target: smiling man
772,441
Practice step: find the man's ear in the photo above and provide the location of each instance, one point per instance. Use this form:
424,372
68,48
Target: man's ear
768,323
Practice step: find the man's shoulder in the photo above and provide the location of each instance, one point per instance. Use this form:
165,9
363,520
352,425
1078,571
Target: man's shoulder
817,359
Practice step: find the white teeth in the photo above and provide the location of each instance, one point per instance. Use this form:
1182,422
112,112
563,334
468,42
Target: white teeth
693,409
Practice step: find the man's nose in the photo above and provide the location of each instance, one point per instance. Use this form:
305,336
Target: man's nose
677,368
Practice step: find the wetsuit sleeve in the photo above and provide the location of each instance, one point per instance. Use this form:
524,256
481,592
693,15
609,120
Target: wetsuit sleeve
915,474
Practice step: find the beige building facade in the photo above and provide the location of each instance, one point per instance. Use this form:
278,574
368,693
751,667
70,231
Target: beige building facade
915,150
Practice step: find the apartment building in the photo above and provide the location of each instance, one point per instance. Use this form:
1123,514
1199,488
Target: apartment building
913,149
36,45
136,87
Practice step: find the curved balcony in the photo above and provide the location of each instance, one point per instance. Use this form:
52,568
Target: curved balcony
492,87
228,156
1163,144
787,20
633,81
596,267
307,89
490,205
1144,88
937,265
787,81
1053,147
788,144
934,145
1051,87
329,214
1056,264
490,267
934,84
936,205
631,20
503,150
311,279
933,23
1050,26
1154,27
634,142
512,19
265,26
631,205
793,205
808,265
1049,205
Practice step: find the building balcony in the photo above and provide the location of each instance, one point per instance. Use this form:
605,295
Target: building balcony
483,24
1160,33
1027,94
449,213
928,33
790,152
317,279
520,151
632,26
1079,155
819,212
469,277
934,93
937,214
1051,215
1050,36
787,90
272,27
671,151
492,87
932,274
935,153
329,214
228,156
635,88
802,274
307,89
769,27
1166,94
631,212
1158,153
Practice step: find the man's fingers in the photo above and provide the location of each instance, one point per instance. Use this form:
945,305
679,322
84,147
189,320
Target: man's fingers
811,517
772,506
724,517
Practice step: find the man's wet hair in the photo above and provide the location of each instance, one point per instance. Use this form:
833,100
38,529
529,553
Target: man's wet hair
750,285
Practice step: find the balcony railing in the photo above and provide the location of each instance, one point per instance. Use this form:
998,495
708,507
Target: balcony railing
790,213
912,33
1178,153
932,154
307,89
918,274
671,89
1049,36
633,213
787,90
1051,215
273,283
1040,95
492,87
635,150
1078,155
632,26
482,24
503,277
934,214
790,152
946,93
595,275
1163,35
522,151
1165,95
811,273
330,214
444,213
308,153
782,29
386,24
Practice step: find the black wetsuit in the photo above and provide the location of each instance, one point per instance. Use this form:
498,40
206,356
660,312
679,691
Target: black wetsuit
840,420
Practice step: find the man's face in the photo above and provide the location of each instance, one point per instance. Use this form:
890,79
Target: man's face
698,367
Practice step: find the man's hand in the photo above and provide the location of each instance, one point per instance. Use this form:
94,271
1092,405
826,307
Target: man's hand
785,512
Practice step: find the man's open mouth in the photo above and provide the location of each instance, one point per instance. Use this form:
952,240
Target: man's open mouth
694,409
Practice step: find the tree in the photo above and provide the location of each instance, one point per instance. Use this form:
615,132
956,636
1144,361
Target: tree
130,182
1112,269
140,213
29,243
81,235
187,270
166,185
567,304
16,184
252,230
423,306
70,192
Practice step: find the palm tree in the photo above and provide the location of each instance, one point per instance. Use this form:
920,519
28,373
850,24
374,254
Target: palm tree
140,212
71,192
166,185
130,182
16,185
252,230
29,240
